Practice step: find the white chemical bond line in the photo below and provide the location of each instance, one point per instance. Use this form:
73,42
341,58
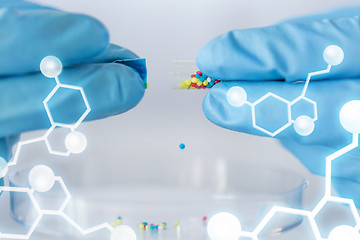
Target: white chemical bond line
312,74
237,101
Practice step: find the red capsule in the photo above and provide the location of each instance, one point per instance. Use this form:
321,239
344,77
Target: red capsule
216,81
200,73
192,76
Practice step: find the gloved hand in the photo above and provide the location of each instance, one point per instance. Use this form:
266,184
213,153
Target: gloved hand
113,78
274,59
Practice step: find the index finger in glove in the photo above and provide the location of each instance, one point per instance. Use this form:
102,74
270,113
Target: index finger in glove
284,51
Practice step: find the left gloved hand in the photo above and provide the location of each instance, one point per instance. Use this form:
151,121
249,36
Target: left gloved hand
273,59
113,78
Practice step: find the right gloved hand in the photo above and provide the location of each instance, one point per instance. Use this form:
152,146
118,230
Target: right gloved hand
255,59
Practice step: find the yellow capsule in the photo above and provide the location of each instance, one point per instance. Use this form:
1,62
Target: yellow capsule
177,223
199,83
119,222
194,80
192,87
113,224
205,83
147,227
183,85
188,82
141,226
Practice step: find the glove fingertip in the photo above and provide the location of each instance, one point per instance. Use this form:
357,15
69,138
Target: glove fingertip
218,111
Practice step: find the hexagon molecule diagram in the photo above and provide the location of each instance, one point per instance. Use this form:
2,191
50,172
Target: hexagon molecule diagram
304,125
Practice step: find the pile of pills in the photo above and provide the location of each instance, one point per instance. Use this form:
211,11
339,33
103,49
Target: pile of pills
199,81
152,227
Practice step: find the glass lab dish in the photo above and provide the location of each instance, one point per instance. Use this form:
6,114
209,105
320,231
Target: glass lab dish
247,192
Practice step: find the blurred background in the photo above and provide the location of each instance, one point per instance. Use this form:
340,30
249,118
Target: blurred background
142,146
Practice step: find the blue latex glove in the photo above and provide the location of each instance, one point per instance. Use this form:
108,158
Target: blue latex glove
112,77
256,59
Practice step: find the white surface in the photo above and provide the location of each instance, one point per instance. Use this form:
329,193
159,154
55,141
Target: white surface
350,116
75,142
3,167
236,96
123,233
333,55
224,226
141,146
50,66
41,178
304,125
344,232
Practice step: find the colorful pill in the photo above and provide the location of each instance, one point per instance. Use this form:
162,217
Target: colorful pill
183,85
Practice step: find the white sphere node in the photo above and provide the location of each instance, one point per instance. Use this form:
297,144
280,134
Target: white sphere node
350,116
224,226
50,66
333,55
304,125
3,167
75,142
236,96
344,233
41,178
123,232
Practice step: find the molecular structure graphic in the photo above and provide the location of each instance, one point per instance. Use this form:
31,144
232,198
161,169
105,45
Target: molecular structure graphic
225,225
303,125
42,178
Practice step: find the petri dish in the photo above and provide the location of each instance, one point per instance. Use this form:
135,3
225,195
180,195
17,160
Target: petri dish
246,191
